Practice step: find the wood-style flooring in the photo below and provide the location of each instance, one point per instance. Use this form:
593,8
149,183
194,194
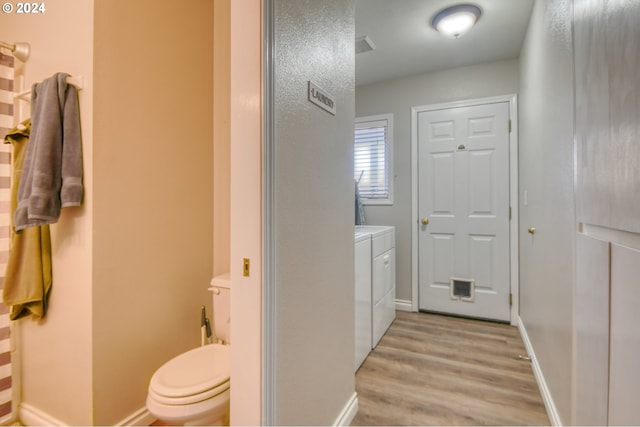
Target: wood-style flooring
431,369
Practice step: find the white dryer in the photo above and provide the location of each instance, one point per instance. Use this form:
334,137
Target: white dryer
383,282
383,278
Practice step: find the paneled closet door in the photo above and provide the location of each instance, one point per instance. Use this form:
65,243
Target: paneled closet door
624,374
592,331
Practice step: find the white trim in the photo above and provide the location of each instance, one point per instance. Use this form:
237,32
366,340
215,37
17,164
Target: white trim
15,332
404,305
549,405
512,99
32,416
269,290
620,237
142,417
414,209
348,412
514,203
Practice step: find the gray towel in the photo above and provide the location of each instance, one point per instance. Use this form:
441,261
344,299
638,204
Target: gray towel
52,173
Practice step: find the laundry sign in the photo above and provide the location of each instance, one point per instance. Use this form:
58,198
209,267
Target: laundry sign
321,98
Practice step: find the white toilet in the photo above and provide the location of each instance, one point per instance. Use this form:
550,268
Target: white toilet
193,387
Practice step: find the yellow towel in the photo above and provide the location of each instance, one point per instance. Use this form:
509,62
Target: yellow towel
27,280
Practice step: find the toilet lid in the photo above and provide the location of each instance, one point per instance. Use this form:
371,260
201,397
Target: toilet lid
194,372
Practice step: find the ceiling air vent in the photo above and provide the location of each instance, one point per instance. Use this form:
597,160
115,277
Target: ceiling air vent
364,44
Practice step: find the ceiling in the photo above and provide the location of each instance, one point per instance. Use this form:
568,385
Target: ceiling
407,45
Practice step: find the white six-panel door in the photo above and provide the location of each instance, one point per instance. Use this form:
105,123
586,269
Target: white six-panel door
463,209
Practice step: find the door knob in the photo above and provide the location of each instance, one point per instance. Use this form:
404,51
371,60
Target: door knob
425,221
532,230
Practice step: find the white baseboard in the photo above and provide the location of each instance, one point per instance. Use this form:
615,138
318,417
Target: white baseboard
549,405
32,416
404,305
348,412
141,417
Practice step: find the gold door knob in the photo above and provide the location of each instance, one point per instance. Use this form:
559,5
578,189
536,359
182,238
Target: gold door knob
532,230
425,221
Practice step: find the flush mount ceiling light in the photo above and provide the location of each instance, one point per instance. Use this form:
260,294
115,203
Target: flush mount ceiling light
455,21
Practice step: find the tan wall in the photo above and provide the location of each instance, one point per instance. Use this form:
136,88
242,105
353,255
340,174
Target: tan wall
153,171
55,353
221,136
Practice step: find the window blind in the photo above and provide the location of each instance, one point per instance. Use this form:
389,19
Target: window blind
371,159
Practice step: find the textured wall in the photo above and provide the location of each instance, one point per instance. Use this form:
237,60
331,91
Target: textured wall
397,97
607,65
546,195
313,199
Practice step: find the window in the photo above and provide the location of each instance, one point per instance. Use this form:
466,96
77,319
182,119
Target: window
373,161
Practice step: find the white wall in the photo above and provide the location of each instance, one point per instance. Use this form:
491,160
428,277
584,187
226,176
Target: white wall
546,195
313,212
397,97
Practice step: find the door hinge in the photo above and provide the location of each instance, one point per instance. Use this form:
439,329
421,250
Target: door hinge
509,213
510,300
509,125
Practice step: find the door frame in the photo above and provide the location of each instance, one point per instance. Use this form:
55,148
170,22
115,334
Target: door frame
512,99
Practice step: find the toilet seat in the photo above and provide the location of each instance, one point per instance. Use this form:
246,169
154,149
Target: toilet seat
192,377
187,400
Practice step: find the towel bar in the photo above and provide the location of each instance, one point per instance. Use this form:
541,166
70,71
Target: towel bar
77,81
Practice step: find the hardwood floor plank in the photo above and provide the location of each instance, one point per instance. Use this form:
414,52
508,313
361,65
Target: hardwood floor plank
439,370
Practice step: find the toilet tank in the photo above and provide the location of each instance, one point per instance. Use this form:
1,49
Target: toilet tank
221,291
